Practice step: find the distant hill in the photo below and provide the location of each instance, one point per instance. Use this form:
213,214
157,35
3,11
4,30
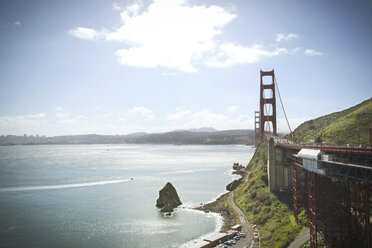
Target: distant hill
188,137
199,136
340,127
200,130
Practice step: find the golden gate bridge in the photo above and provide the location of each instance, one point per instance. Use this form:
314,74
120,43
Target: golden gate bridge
332,184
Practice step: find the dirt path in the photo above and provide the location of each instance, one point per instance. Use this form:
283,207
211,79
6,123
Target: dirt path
301,239
246,227
242,218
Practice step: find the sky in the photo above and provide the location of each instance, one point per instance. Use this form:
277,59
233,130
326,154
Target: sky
118,67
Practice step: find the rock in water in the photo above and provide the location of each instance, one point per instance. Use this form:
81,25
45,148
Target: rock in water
166,209
168,198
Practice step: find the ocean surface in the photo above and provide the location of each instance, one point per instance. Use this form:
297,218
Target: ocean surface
105,195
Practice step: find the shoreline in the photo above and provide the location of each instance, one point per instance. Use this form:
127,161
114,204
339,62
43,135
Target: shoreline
220,206
172,144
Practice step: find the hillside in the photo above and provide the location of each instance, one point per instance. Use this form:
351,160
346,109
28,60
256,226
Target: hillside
272,212
269,211
340,127
188,137
204,136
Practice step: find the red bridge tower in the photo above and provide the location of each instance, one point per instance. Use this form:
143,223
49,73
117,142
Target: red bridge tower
267,102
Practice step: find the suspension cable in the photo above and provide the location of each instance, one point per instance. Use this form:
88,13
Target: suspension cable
281,103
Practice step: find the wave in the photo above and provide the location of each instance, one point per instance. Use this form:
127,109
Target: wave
184,171
61,186
176,172
219,223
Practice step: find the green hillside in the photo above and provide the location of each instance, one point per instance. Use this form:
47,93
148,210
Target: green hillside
272,212
273,217
340,128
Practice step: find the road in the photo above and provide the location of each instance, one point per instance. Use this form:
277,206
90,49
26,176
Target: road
301,239
246,227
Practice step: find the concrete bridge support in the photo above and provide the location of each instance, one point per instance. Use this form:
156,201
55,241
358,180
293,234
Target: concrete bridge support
257,137
278,168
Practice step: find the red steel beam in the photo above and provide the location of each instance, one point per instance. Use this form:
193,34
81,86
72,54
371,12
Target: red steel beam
337,149
339,213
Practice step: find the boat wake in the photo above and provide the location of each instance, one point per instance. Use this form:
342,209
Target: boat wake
61,186
176,172
184,171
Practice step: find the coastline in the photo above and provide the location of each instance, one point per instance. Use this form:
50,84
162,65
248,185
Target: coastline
221,206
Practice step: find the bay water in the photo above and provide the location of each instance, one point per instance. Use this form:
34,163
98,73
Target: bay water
105,195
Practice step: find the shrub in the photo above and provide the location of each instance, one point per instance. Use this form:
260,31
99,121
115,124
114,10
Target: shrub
263,208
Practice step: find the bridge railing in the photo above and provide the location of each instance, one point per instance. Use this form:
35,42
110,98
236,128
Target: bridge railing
338,149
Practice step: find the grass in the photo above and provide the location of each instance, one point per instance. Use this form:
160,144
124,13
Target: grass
340,128
293,220
227,205
273,217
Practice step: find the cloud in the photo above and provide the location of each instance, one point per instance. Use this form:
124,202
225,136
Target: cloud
176,35
178,115
17,23
169,74
62,114
231,109
68,121
106,115
116,6
85,33
172,35
130,11
36,116
312,52
231,54
142,111
221,121
185,119
59,109
168,33
279,37
206,118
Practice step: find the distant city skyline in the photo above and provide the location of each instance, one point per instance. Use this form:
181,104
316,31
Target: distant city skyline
118,67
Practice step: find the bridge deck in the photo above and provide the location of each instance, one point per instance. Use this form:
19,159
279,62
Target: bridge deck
334,149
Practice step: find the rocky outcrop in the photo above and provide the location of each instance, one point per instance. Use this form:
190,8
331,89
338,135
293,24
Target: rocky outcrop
233,185
168,198
237,166
238,169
